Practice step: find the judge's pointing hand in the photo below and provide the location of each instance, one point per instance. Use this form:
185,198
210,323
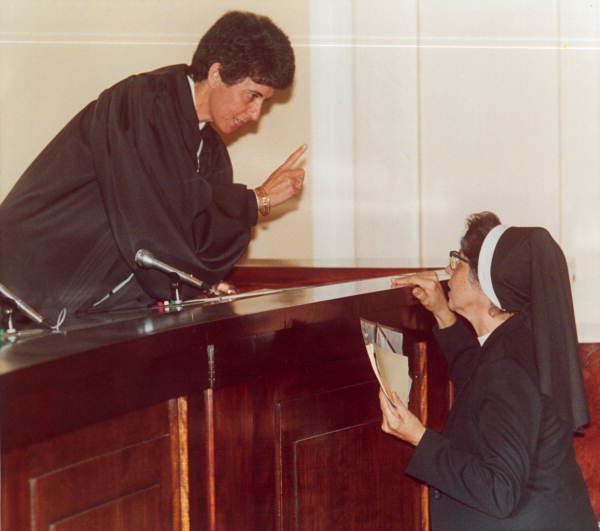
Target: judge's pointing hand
285,182
399,421
429,292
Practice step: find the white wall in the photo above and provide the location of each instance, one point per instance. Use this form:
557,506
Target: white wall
331,177
466,106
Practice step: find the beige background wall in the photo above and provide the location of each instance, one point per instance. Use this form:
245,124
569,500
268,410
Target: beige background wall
463,106
417,112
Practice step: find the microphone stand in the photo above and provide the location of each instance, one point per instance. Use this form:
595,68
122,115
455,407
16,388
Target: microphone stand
7,313
176,288
16,303
146,259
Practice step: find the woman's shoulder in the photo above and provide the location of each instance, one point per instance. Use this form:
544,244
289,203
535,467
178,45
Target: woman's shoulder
154,79
512,345
141,91
510,351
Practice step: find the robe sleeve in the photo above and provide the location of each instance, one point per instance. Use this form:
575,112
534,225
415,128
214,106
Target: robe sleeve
488,469
461,349
152,194
237,201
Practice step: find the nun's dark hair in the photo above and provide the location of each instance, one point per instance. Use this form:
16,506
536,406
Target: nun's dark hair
478,226
246,45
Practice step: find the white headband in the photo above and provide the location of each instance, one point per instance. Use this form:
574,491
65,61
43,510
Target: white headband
484,267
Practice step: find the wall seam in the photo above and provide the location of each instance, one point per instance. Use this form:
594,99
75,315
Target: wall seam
419,133
355,214
560,143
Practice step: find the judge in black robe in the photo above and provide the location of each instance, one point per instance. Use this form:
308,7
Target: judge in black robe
504,460
123,175
134,170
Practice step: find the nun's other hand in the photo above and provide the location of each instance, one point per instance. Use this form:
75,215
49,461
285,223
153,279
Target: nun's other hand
399,421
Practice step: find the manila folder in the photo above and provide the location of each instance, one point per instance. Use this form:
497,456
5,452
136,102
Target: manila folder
390,365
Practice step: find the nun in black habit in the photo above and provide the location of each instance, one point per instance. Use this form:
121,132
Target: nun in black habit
504,460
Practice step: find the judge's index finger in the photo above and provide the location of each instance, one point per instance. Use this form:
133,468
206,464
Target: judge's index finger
295,156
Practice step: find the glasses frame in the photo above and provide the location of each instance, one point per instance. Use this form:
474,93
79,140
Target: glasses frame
455,257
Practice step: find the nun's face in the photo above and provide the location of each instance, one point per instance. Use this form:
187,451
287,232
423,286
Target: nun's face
464,293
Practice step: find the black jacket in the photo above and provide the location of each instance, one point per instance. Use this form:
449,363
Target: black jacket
505,460
123,175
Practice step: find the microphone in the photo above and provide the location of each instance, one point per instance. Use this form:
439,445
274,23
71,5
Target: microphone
24,307
145,258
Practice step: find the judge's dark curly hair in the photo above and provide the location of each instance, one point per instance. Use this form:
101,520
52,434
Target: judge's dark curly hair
478,226
246,45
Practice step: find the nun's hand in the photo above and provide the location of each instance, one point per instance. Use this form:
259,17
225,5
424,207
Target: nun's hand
399,421
429,292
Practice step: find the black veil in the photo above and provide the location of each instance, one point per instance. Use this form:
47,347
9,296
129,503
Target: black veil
529,273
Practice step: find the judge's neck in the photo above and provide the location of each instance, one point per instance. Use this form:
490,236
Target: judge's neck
201,95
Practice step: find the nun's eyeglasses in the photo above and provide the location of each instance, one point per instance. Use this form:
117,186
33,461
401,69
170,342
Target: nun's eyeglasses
455,258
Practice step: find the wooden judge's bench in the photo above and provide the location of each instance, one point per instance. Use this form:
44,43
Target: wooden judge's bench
256,414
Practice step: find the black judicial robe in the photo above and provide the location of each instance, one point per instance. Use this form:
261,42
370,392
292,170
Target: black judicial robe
505,460
123,175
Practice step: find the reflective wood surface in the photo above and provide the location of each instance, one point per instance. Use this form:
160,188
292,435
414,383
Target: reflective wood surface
273,395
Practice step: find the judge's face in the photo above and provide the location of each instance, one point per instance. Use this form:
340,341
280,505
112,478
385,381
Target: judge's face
231,106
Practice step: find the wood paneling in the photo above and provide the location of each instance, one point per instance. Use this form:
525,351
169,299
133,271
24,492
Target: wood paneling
113,475
293,428
256,274
140,510
337,469
254,415
258,414
587,445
